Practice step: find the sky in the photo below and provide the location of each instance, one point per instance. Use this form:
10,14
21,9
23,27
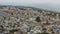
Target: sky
47,4
30,1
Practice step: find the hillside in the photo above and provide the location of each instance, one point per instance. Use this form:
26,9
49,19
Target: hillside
28,19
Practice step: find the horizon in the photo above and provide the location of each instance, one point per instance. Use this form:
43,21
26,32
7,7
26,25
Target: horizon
44,4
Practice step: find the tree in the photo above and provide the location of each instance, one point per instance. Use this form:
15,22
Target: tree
44,33
38,19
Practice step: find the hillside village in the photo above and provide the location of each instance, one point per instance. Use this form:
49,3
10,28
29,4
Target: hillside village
16,20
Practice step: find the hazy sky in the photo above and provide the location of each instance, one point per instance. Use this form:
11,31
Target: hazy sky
31,1
51,4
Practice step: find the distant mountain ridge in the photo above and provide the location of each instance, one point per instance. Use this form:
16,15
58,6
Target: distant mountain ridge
34,8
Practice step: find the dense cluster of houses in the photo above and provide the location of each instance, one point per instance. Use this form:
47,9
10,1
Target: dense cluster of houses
28,21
